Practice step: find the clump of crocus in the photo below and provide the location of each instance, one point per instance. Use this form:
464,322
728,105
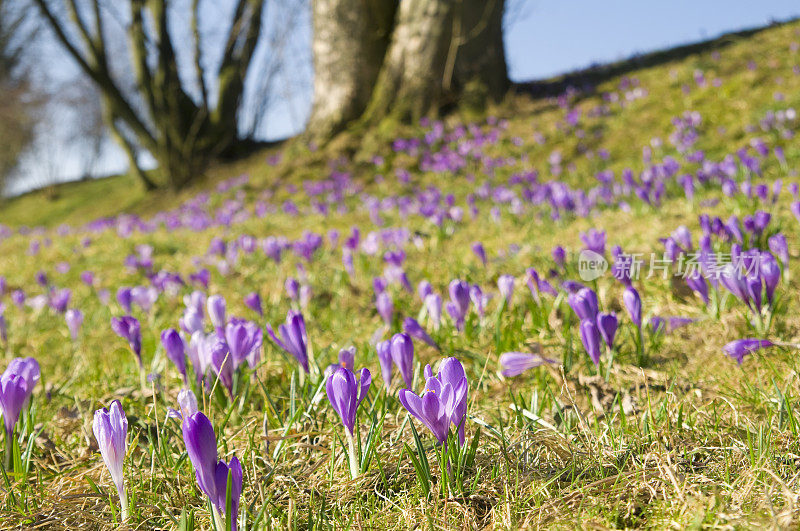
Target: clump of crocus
110,428
439,405
214,477
345,393
293,338
515,363
128,328
451,373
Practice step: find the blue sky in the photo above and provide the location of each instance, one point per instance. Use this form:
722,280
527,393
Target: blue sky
556,36
544,38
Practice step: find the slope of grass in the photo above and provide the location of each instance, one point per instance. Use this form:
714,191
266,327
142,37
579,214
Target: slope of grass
671,435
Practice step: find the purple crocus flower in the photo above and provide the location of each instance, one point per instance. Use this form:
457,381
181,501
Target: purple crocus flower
559,256
607,324
697,283
435,408
244,339
211,474
293,337
216,311
770,271
412,327
403,356
452,373
292,287
506,286
779,247
347,359
59,300
479,251
385,307
515,363
87,277
433,305
18,297
657,324
633,303
221,360
14,391
74,319
346,392
124,299
253,301
424,289
458,306
584,304
175,348
590,337
595,241
479,299
110,429
128,328
384,351
742,347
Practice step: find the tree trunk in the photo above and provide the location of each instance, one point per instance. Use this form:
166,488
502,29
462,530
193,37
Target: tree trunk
349,43
441,52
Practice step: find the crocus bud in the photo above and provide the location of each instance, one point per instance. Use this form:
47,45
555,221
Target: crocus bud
590,336
110,428
211,474
216,311
127,328
293,338
584,304
385,307
403,357
607,324
384,350
346,393
479,251
124,298
506,286
559,256
433,305
633,303
424,289
13,393
175,349
74,320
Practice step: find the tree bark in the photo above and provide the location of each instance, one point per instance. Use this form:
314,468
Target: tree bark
441,52
349,43
180,133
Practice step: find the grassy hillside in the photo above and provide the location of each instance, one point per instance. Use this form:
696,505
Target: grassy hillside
664,430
